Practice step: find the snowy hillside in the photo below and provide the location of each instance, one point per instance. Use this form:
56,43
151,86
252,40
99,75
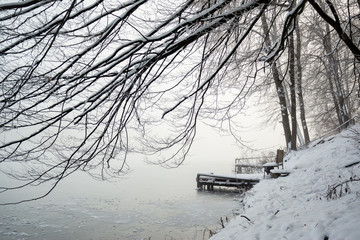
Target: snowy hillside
311,203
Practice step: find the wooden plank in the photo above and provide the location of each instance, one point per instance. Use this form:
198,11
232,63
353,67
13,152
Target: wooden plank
280,157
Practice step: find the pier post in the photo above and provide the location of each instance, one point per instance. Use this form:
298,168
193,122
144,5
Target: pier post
210,187
199,185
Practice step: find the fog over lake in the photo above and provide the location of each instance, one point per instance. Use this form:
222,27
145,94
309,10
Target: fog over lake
150,201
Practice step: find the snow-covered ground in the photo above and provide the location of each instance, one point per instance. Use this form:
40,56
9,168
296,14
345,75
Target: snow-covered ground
317,201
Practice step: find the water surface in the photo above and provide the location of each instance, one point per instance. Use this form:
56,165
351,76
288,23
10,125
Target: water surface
151,202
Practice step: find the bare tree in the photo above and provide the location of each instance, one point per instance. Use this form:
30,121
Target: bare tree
84,84
332,74
336,24
299,83
278,80
81,82
293,111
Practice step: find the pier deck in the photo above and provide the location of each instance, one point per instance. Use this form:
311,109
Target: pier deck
208,181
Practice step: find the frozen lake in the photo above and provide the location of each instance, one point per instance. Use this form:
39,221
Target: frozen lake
121,210
150,202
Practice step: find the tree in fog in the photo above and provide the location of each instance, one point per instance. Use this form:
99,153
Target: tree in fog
84,84
313,31
279,85
333,74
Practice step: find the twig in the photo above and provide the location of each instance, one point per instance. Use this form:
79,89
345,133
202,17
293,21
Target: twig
245,217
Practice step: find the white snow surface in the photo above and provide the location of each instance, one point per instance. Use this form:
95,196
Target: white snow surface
297,206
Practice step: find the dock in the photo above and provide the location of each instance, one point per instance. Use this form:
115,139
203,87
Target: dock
247,173
240,181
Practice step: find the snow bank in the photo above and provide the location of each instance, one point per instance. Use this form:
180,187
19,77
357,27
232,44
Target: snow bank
304,205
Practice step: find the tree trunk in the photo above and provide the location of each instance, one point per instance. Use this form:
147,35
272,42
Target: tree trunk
333,94
279,87
340,105
299,84
292,92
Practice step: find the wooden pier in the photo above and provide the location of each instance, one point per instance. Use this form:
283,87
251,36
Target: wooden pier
208,181
247,174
